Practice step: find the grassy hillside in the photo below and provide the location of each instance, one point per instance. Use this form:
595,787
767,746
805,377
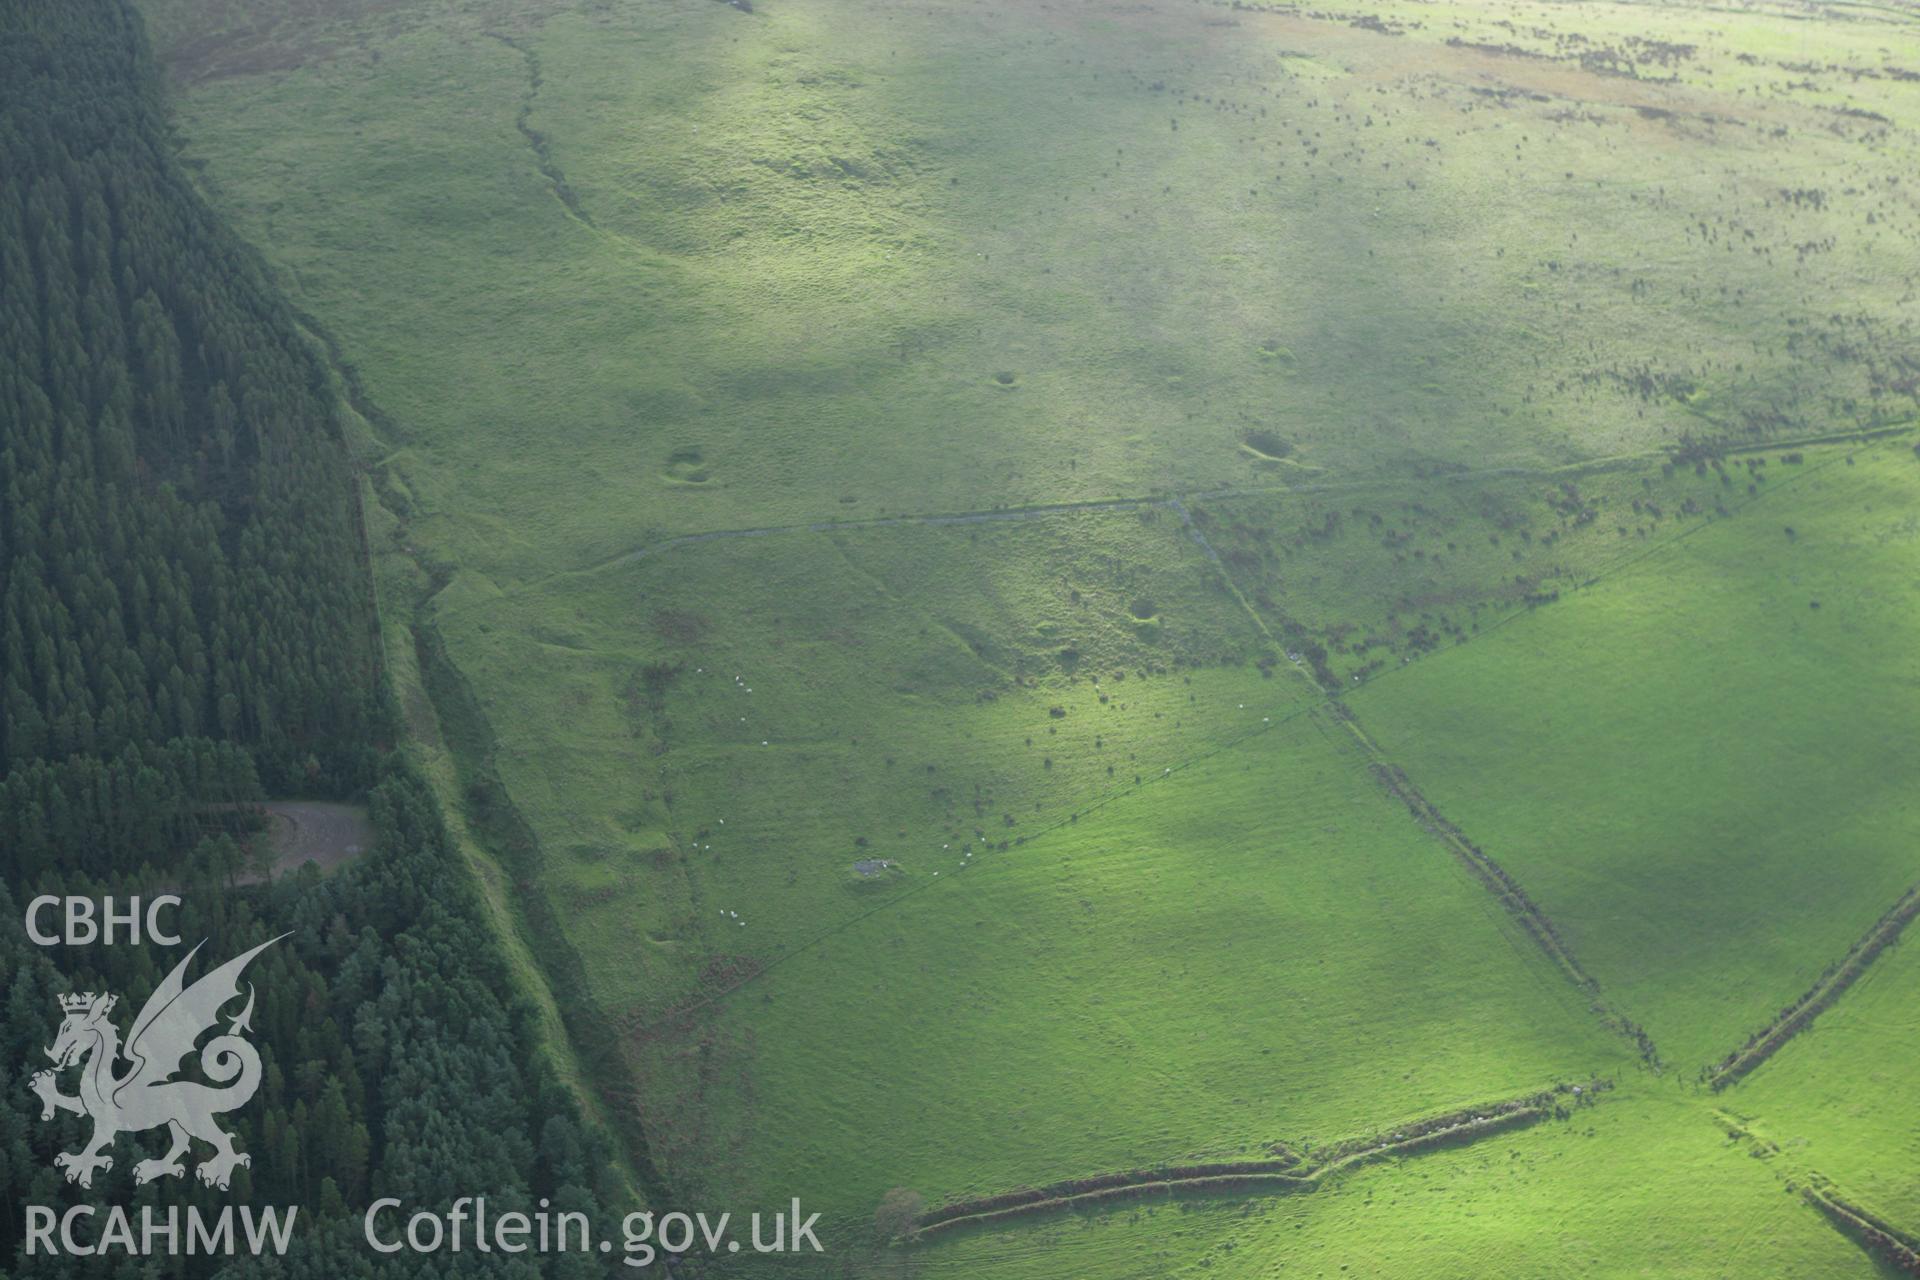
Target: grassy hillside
1082,451
574,248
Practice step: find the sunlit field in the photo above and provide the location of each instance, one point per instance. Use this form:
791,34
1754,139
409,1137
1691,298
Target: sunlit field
1012,594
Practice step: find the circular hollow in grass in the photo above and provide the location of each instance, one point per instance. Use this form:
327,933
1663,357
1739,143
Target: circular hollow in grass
687,466
1143,609
1268,444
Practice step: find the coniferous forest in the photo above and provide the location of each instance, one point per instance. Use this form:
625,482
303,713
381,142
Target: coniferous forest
186,625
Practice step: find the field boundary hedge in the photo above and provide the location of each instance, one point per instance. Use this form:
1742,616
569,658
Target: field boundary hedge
1896,1247
1501,884
1831,985
1283,1174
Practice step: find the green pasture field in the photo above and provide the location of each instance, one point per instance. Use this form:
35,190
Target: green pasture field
1511,357
1700,766
1257,948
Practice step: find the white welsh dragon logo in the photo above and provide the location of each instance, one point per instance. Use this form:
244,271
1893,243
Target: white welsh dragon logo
145,1096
